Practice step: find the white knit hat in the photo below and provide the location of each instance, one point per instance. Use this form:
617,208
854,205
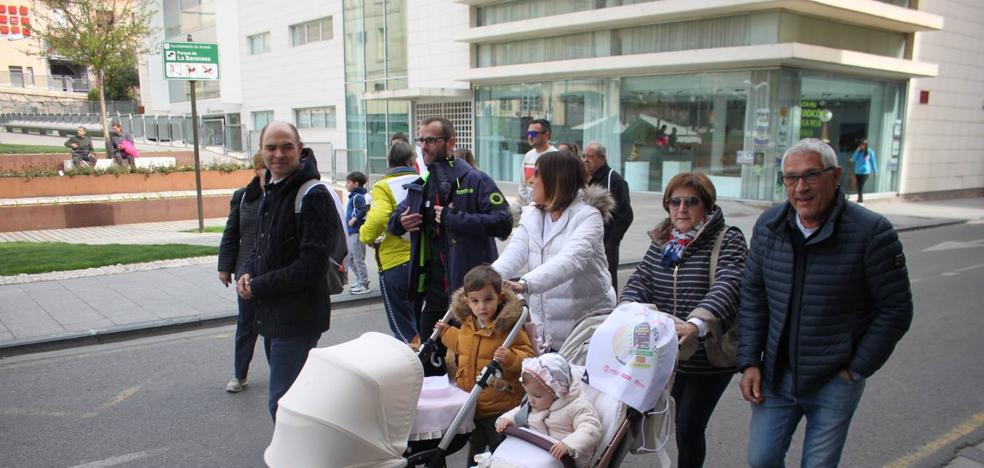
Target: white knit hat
552,370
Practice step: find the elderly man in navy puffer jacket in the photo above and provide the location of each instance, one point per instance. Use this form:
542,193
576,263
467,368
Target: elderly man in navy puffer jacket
825,299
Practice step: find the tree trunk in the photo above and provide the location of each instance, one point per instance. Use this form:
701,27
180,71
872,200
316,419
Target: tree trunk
101,78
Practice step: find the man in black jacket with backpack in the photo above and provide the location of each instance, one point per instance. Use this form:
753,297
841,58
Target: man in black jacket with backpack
285,275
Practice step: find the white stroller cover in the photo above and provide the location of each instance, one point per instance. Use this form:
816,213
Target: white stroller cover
632,355
351,406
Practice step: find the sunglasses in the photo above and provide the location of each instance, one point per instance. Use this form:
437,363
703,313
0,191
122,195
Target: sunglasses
533,133
689,202
429,140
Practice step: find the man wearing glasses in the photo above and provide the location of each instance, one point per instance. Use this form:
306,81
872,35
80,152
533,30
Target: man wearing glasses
825,298
453,216
538,136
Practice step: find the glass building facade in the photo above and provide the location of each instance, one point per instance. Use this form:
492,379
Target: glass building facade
375,60
733,126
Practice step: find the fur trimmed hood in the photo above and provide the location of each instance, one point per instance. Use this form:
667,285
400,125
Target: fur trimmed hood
599,197
509,311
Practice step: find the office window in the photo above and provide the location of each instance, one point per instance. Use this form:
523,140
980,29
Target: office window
29,76
261,119
258,43
315,117
311,31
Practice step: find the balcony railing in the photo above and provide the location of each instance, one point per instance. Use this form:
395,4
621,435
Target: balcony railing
66,83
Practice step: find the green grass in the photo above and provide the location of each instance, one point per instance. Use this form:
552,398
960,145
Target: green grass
42,257
212,229
6,148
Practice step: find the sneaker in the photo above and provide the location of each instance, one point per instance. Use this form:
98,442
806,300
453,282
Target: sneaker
358,290
235,385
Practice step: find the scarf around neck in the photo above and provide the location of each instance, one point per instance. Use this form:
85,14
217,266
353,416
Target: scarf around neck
673,248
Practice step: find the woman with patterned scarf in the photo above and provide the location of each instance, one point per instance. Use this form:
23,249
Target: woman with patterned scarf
675,276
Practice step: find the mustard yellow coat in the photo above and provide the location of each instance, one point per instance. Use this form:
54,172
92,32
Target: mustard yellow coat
475,347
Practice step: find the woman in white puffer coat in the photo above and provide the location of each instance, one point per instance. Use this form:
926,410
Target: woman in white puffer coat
560,240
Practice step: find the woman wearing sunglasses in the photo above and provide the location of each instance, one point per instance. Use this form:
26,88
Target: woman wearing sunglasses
676,275
560,241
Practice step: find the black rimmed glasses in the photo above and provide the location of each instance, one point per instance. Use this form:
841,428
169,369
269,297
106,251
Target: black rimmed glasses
429,140
811,177
689,202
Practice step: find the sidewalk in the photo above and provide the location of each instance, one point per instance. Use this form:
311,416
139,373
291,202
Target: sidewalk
969,457
88,306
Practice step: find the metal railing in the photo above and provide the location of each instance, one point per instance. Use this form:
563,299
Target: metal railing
26,79
175,130
42,106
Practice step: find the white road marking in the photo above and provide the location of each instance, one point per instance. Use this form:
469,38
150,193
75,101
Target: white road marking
953,245
961,270
121,459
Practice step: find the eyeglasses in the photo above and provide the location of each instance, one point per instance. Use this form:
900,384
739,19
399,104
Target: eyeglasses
533,133
811,178
429,140
689,202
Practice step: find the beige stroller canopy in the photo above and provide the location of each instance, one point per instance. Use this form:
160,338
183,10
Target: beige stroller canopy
352,406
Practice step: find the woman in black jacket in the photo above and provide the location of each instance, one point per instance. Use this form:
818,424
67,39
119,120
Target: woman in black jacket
237,243
675,276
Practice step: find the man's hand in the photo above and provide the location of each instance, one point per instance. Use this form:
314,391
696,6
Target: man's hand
687,331
437,213
411,221
75,146
846,375
225,278
244,287
502,424
751,385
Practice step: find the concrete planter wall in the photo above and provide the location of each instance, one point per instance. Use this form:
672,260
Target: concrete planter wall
20,162
28,218
11,187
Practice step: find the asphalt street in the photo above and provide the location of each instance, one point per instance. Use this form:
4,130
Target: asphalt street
159,402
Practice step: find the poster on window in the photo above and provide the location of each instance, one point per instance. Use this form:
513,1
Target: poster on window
760,137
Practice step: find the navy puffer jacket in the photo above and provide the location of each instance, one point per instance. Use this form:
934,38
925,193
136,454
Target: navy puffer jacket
856,300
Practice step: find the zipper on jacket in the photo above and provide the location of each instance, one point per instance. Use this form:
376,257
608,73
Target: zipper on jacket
675,268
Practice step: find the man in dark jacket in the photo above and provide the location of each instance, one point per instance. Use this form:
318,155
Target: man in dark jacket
825,299
596,163
81,146
286,271
116,136
453,216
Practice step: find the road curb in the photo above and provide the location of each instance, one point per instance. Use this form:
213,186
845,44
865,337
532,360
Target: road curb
160,327
931,225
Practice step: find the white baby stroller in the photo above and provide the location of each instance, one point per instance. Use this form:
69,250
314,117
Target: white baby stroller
358,405
629,357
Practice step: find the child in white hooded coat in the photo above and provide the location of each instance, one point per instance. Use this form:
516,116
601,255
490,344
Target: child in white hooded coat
555,408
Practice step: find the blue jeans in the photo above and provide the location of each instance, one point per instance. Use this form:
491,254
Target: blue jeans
828,414
286,357
399,310
245,338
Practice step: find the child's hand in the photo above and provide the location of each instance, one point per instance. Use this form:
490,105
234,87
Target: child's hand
441,326
503,356
559,450
502,424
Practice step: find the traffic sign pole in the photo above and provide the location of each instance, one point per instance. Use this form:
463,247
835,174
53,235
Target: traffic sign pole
198,161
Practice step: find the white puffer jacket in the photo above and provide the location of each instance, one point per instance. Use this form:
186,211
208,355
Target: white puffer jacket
567,276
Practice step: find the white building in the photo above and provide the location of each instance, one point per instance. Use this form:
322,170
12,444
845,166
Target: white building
718,86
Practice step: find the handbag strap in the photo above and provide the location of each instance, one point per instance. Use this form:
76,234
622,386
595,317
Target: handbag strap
715,254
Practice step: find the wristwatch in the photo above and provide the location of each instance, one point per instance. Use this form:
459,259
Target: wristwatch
522,282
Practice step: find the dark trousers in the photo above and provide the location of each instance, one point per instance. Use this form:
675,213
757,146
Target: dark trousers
286,357
435,306
483,437
860,179
696,396
123,160
399,310
245,338
611,251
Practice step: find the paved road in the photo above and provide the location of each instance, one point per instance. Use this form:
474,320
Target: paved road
158,402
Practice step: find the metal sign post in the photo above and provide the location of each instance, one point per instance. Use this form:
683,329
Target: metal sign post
192,61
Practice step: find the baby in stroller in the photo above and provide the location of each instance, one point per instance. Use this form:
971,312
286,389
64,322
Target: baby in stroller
555,408
486,313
